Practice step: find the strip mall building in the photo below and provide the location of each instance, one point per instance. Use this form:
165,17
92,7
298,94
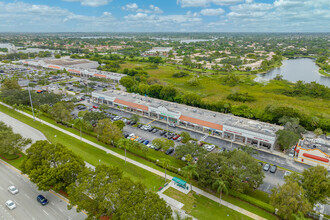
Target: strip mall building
227,126
77,71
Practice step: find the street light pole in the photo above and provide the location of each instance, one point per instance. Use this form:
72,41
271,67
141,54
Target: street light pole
31,100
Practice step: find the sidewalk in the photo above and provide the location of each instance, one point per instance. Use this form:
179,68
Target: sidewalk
157,172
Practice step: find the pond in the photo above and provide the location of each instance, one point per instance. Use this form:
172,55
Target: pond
294,70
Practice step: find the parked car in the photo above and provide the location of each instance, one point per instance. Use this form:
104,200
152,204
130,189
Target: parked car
133,123
13,190
140,125
261,164
42,200
180,138
222,149
291,154
287,173
150,146
155,130
169,151
10,205
172,125
266,167
96,107
146,142
162,133
176,137
128,122
147,127
273,169
126,135
156,148
151,129
140,139
210,147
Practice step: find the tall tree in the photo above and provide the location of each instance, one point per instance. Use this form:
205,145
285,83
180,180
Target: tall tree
80,123
61,111
164,163
105,192
163,143
221,186
289,199
189,171
125,144
135,118
316,183
50,165
10,142
110,134
186,136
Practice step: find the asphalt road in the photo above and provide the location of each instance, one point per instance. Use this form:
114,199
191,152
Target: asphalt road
27,205
23,129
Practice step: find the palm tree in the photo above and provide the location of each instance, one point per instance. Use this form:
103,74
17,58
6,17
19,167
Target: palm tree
189,171
124,143
164,162
79,122
221,187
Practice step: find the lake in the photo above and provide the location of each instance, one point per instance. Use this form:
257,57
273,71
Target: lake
294,70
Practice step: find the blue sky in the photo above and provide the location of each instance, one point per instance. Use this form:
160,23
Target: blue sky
165,15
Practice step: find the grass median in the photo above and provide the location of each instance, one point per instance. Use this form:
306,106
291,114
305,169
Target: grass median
89,153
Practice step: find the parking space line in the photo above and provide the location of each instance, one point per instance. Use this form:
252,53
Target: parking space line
45,212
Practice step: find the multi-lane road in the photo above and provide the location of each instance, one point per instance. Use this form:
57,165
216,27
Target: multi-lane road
26,202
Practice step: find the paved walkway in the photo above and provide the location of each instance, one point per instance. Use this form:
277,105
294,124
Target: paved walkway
157,172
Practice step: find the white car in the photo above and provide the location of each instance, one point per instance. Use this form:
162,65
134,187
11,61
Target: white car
151,146
13,190
10,204
287,173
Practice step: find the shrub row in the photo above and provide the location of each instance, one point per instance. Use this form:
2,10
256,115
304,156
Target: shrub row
253,201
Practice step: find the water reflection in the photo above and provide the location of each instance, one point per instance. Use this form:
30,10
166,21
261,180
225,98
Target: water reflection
294,70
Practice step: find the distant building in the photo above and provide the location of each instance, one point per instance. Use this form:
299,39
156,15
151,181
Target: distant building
158,51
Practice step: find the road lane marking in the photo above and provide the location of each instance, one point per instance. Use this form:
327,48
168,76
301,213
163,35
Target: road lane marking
27,196
45,212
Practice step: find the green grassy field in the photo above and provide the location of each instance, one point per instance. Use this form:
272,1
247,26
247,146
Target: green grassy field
203,208
212,90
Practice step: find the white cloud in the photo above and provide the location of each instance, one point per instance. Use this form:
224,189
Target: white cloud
150,10
92,3
130,7
212,11
205,3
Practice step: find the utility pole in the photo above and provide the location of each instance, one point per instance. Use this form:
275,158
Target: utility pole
31,100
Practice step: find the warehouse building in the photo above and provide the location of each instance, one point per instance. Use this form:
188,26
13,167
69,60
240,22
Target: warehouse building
226,126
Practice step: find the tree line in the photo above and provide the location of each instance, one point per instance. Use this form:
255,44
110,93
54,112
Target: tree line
103,191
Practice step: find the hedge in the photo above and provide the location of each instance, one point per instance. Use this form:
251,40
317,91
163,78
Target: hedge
253,201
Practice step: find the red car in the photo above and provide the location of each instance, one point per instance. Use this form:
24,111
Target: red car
94,106
176,137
